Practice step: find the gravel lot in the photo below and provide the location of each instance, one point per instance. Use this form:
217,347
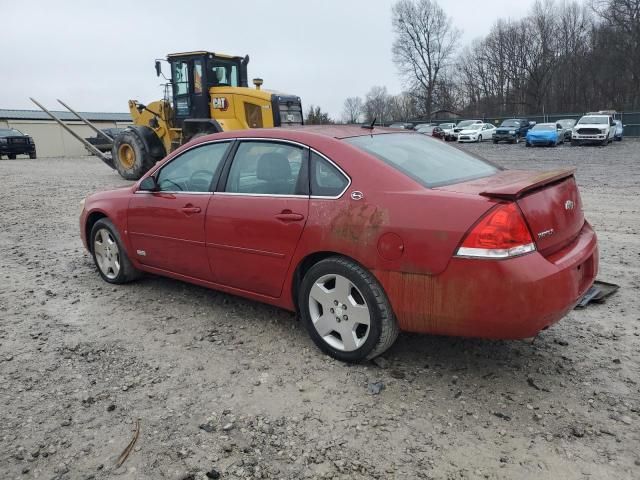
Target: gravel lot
225,386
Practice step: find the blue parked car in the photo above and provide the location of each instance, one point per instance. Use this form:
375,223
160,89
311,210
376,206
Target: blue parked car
550,134
619,130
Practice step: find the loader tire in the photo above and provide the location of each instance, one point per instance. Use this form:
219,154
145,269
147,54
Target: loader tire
130,155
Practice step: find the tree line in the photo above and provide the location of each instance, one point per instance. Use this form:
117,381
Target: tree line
564,56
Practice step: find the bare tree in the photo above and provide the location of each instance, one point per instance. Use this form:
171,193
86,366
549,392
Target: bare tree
377,105
352,110
424,45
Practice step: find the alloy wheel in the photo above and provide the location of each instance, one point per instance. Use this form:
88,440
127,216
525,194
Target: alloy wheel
107,253
339,312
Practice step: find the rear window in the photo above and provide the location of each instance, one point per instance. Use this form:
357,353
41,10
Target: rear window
430,162
9,132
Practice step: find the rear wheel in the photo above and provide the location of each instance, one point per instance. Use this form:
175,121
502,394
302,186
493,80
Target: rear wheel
130,155
32,155
479,138
346,311
109,254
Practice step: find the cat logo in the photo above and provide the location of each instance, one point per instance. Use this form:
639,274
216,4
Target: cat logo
220,103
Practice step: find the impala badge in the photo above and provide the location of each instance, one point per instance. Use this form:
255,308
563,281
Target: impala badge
568,205
546,233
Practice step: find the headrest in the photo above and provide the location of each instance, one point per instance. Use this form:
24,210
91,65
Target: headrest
273,166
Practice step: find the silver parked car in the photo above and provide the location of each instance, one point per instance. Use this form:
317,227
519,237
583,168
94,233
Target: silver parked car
567,126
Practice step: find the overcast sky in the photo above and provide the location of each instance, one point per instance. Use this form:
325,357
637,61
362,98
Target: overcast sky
97,55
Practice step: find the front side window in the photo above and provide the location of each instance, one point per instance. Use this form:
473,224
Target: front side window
197,77
427,161
194,170
326,179
268,168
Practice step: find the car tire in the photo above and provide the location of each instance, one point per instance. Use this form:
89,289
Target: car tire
495,142
361,293
112,261
33,156
527,144
130,155
479,138
604,143
12,156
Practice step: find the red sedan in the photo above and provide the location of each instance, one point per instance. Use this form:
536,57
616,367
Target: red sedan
364,232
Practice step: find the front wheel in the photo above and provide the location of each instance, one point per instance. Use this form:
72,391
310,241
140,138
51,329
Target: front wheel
109,254
346,311
479,138
131,156
527,144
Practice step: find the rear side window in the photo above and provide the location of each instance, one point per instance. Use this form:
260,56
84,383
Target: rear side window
429,162
326,179
268,168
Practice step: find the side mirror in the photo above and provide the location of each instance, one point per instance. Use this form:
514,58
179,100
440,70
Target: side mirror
149,184
158,68
558,127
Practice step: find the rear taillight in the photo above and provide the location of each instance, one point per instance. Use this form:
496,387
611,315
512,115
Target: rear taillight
502,233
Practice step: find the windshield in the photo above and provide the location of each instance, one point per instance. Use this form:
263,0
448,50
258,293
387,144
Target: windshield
9,132
545,127
510,123
592,119
567,123
429,162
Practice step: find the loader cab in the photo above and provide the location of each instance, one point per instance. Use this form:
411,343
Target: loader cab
194,73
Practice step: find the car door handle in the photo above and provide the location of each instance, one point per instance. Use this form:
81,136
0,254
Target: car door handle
289,216
190,209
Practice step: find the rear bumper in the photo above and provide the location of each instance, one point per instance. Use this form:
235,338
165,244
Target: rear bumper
500,299
17,149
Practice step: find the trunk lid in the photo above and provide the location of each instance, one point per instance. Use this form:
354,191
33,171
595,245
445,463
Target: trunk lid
550,202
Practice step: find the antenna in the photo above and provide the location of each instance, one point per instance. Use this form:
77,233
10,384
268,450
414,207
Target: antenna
370,126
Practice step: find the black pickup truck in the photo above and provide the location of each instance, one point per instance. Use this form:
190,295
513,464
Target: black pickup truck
512,130
13,142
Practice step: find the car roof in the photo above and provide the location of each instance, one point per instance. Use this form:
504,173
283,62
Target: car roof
332,131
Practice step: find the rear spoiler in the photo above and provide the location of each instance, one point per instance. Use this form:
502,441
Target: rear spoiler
517,183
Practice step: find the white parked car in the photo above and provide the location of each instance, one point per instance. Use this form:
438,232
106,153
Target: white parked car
477,132
594,128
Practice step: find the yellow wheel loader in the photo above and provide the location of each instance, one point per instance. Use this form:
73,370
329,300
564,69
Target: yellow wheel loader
207,93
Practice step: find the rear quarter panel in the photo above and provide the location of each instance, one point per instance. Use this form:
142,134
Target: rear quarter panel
398,225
